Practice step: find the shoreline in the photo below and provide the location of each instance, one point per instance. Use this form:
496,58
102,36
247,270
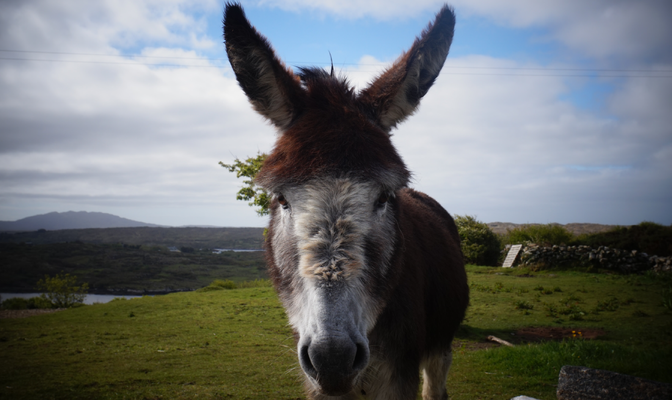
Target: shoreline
120,292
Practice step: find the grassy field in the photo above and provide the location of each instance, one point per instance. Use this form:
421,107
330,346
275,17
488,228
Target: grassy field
628,308
236,343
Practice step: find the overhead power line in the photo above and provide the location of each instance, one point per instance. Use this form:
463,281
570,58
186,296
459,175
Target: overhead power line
112,63
106,55
447,69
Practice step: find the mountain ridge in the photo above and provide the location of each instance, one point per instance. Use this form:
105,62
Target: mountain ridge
576,228
71,220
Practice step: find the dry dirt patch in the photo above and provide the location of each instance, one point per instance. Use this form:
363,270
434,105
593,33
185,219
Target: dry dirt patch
545,333
472,346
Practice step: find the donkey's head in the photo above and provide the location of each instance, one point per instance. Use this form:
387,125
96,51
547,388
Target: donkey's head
333,176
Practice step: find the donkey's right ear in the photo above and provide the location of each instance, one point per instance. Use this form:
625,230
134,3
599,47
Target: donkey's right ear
273,89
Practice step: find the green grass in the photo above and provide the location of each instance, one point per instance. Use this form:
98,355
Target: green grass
504,372
236,343
220,344
630,308
608,301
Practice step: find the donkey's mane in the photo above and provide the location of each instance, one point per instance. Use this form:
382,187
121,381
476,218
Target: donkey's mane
320,83
313,73
335,136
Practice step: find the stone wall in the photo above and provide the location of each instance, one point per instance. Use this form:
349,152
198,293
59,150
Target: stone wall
603,257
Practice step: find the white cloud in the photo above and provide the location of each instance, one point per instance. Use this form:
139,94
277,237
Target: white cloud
509,148
597,28
141,140
603,28
352,9
127,132
119,133
101,25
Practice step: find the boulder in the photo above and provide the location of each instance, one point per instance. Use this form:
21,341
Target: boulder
581,383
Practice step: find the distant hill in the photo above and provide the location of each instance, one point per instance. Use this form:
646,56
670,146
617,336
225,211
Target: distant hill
70,220
575,228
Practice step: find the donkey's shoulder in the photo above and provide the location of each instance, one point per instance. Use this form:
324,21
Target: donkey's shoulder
426,207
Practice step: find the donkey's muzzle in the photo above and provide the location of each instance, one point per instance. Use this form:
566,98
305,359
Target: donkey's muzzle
334,362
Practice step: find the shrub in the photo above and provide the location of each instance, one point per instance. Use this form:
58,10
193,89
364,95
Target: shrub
62,291
567,308
667,298
480,245
39,302
219,284
543,235
649,237
249,169
523,305
255,283
15,303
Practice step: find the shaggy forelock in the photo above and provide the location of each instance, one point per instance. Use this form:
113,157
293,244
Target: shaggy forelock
333,136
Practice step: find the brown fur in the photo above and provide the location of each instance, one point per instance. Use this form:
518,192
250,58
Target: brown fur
330,139
413,269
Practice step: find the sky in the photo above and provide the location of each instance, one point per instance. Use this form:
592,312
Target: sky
554,111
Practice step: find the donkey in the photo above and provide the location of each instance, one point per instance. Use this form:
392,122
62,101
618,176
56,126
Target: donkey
370,272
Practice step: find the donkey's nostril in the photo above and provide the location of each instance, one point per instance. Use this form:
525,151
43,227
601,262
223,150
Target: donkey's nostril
304,360
361,358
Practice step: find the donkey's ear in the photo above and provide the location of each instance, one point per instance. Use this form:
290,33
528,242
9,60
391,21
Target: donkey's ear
396,93
274,91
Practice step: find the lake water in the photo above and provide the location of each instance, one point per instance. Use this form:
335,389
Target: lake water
220,251
90,298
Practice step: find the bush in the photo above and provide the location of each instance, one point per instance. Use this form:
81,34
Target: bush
62,291
480,245
39,302
543,235
219,284
15,303
18,303
249,169
255,283
649,237
667,298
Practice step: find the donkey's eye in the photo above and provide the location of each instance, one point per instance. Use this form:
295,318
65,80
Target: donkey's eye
283,201
382,199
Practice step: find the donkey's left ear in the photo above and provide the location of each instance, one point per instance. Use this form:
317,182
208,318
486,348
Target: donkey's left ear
274,91
396,93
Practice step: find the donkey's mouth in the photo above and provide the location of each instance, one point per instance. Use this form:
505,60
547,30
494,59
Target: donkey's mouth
334,364
334,388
